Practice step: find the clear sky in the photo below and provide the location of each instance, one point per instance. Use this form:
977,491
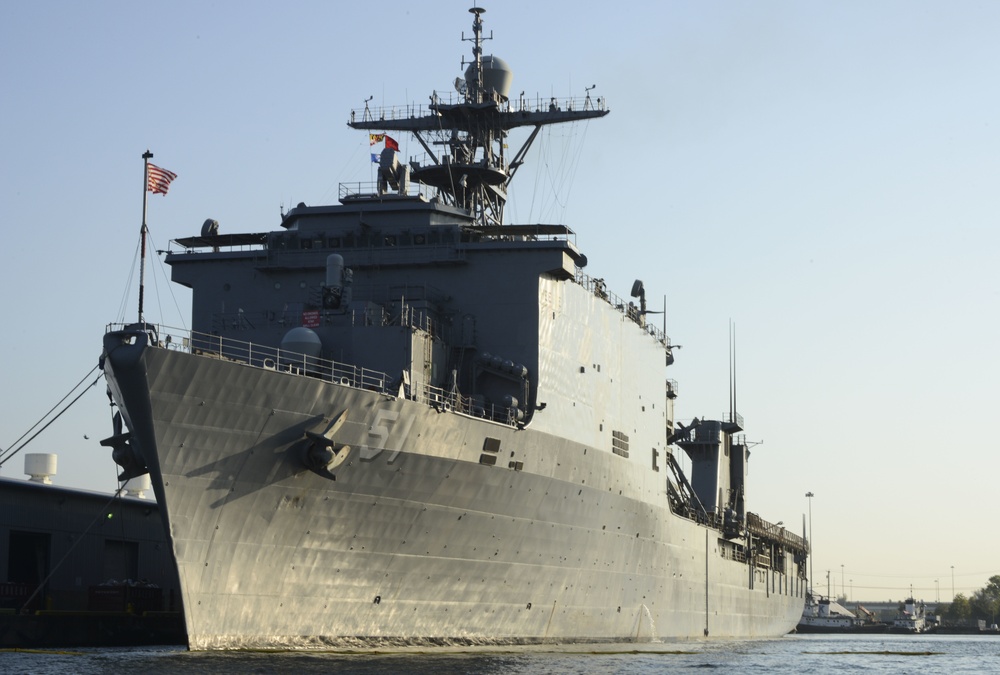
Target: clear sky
823,175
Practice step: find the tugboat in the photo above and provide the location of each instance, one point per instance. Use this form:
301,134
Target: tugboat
401,420
822,615
912,618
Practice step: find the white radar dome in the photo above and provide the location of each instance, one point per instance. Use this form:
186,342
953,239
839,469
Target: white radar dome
302,340
497,76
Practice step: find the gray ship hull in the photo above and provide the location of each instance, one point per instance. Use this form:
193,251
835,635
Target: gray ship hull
430,527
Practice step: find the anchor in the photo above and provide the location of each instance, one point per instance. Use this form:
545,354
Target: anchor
122,452
322,453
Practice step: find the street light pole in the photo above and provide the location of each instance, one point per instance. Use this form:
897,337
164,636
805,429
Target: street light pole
953,583
809,496
842,579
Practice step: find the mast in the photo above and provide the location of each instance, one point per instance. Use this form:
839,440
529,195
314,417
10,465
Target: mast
470,169
732,371
146,156
477,52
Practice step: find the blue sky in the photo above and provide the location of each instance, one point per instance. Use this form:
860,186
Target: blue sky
821,174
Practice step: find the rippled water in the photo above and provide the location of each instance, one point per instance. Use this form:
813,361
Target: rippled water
798,654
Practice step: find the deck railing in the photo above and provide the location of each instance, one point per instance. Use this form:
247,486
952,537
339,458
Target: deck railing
297,363
760,527
520,104
626,307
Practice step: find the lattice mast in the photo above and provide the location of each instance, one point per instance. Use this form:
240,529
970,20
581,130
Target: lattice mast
465,142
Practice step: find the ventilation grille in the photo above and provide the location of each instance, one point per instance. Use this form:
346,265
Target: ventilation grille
619,443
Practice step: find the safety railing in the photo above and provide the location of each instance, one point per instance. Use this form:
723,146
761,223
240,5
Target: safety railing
628,308
761,528
520,104
297,363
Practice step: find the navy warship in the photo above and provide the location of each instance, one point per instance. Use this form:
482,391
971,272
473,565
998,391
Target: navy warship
401,420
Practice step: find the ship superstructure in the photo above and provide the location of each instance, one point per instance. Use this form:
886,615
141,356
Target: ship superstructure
400,420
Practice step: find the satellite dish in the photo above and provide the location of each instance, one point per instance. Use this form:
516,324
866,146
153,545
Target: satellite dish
210,228
460,86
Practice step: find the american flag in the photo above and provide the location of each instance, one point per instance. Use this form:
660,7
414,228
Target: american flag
158,180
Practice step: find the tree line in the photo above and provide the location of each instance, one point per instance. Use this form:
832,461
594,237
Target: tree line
983,605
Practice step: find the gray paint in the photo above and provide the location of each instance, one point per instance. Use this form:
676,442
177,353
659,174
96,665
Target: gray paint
388,490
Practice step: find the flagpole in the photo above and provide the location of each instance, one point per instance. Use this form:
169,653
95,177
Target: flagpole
146,156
